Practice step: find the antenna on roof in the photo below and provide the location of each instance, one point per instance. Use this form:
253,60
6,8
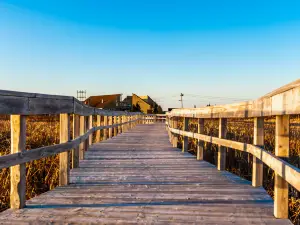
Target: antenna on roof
81,95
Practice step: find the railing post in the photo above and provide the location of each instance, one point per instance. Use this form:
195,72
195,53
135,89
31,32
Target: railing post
115,128
200,144
76,133
64,167
123,121
110,130
130,124
185,144
18,172
105,123
258,140
82,146
281,189
175,136
90,126
98,132
120,126
222,149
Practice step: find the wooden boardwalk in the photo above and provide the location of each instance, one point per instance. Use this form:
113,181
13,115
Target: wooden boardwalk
138,178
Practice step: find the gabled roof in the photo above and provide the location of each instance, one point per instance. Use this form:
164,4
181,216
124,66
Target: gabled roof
141,99
101,101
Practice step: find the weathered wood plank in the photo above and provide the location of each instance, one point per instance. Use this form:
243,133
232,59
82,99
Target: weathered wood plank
98,132
258,140
200,143
221,149
283,101
185,143
138,178
64,161
18,172
282,146
76,134
290,173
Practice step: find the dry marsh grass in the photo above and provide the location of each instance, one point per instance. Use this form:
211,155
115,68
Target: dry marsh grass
240,163
42,175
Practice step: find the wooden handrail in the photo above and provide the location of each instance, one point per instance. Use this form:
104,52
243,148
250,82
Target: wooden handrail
289,172
21,103
281,103
39,153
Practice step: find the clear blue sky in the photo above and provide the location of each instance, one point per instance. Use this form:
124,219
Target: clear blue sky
234,49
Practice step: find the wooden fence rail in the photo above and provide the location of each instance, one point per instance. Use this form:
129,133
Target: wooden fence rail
19,105
280,103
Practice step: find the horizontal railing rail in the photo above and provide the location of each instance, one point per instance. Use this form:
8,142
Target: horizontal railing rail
39,153
280,103
19,105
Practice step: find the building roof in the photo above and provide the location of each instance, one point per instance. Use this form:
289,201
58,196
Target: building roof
101,101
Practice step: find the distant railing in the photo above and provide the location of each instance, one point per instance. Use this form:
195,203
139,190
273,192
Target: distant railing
280,103
18,105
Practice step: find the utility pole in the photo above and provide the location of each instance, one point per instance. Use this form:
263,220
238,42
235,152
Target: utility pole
181,100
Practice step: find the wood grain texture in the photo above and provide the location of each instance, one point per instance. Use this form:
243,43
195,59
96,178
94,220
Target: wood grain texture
285,170
200,143
18,172
21,103
82,146
90,126
98,132
139,178
282,146
222,149
115,130
283,101
258,140
76,134
64,161
110,130
185,143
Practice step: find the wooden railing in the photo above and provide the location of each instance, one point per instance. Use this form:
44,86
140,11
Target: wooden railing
281,103
154,118
19,105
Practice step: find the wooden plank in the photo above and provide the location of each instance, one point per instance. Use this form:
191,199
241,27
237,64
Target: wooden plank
120,126
168,188
82,146
90,126
283,101
200,144
185,143
175,137
105,123
76,134
115,118
64,167
281,167
258,140
110,130
98,132
18,172
282,145
221,149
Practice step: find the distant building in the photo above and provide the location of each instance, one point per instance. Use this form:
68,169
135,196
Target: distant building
144,104
110,102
